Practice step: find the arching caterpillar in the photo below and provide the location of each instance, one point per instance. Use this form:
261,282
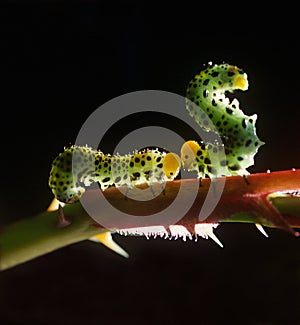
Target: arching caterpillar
78,167
206,94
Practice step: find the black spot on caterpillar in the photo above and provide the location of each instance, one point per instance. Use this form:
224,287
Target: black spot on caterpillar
78,167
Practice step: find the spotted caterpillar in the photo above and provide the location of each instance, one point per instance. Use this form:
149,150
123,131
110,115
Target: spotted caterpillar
78,167
207,104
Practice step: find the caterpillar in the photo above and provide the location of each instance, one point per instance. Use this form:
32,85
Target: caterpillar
78,167
207,102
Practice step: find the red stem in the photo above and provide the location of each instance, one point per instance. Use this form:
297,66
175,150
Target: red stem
238,199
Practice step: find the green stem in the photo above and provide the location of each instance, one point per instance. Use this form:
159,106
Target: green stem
32,237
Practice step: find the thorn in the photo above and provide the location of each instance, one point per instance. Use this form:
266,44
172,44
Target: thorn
63,221
215,239
261,229
178,231
206,230
144,231
54,205
107,240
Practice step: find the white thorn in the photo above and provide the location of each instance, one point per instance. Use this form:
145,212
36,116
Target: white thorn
215,239
107,240
206,230
54,205
144,231
162,235
261,229
178,231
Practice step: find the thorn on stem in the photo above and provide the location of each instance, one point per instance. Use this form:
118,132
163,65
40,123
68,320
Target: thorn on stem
63,221
206,230
261,229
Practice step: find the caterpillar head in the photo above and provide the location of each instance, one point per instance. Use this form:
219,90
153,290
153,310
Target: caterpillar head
171,165
239,78
188,153
229,77
61,180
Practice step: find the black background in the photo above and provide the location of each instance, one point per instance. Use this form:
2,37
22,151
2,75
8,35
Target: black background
58,63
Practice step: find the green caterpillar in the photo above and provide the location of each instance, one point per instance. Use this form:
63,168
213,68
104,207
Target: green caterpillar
206,103
78,167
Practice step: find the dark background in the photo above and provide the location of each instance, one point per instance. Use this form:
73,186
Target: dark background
58,63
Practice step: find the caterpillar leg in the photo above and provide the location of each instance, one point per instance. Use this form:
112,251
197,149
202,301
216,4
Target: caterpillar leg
126,193
246,179
162,186
152,190
200,182
128,189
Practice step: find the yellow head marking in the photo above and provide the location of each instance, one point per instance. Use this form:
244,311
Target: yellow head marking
172,165
241,82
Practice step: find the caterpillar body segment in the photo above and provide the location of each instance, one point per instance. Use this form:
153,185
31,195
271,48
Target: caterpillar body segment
207,160
78,167
208,104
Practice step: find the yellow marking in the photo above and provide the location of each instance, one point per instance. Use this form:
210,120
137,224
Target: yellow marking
241,82
189,152
54,205
172,164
